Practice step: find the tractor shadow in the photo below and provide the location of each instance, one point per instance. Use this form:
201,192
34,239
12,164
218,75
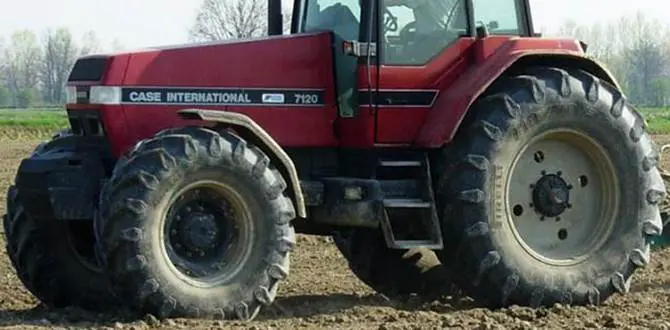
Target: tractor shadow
298,306
647,287
40,316
303,306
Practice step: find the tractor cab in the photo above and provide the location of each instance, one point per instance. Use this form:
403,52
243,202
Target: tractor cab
412,32
402,53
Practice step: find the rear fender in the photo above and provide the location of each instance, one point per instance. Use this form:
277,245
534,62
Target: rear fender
513,56
252,132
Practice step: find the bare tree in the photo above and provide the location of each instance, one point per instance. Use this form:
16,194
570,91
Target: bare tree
22,66
601,46
59,54
649,67
4,93
232,19
90,44
117,46
635,49
33,71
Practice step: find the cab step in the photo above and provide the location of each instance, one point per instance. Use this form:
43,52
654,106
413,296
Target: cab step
400,163
410,216
406,203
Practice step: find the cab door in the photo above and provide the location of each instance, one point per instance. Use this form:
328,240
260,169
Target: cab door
355,75
421,50
347,21
419,60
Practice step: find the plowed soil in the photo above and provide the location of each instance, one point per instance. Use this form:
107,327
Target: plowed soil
322,293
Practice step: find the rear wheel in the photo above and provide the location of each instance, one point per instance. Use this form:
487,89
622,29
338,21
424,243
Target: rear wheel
54,259
554,191
394,273
195,224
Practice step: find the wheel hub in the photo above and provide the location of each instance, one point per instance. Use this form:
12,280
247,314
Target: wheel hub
580,217
551,195
199,231
205,232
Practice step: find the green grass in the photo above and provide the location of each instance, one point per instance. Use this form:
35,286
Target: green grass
47,120
33,118
658,119
30,124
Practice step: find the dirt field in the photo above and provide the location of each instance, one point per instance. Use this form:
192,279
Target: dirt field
322,293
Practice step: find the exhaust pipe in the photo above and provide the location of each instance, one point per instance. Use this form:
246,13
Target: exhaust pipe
275,24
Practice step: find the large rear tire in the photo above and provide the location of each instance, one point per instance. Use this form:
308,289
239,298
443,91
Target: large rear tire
395,273
195,223
54,259
553,188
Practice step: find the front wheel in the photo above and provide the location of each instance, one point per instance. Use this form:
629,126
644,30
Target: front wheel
554,190
195,224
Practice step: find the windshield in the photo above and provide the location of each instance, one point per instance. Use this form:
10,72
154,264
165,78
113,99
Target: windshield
415,31
499,16
340,17
425,15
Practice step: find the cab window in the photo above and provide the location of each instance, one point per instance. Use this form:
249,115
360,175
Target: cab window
501,17
415,31
340,17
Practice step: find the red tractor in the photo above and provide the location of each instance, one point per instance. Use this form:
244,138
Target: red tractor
439,142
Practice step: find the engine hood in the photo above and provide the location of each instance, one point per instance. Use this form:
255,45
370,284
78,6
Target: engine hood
270,61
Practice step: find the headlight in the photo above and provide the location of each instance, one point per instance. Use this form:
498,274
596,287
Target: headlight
71,94
105,95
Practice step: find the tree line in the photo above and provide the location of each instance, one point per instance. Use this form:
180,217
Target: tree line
34,68
636,49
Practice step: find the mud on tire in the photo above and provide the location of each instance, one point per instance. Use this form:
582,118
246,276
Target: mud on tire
139,251
496,267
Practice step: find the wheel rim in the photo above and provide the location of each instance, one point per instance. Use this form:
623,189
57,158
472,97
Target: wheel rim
562,197
207,233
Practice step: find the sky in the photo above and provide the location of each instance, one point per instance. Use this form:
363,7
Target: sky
146,23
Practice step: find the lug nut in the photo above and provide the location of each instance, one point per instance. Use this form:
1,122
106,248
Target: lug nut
559,173
543,172
569,186
558,219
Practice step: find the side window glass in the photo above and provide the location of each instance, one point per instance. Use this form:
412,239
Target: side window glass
501,17
415,31
341,17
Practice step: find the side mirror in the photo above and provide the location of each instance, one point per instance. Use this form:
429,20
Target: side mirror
481,29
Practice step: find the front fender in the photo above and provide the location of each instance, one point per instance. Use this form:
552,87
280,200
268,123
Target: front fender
263,140
450,109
